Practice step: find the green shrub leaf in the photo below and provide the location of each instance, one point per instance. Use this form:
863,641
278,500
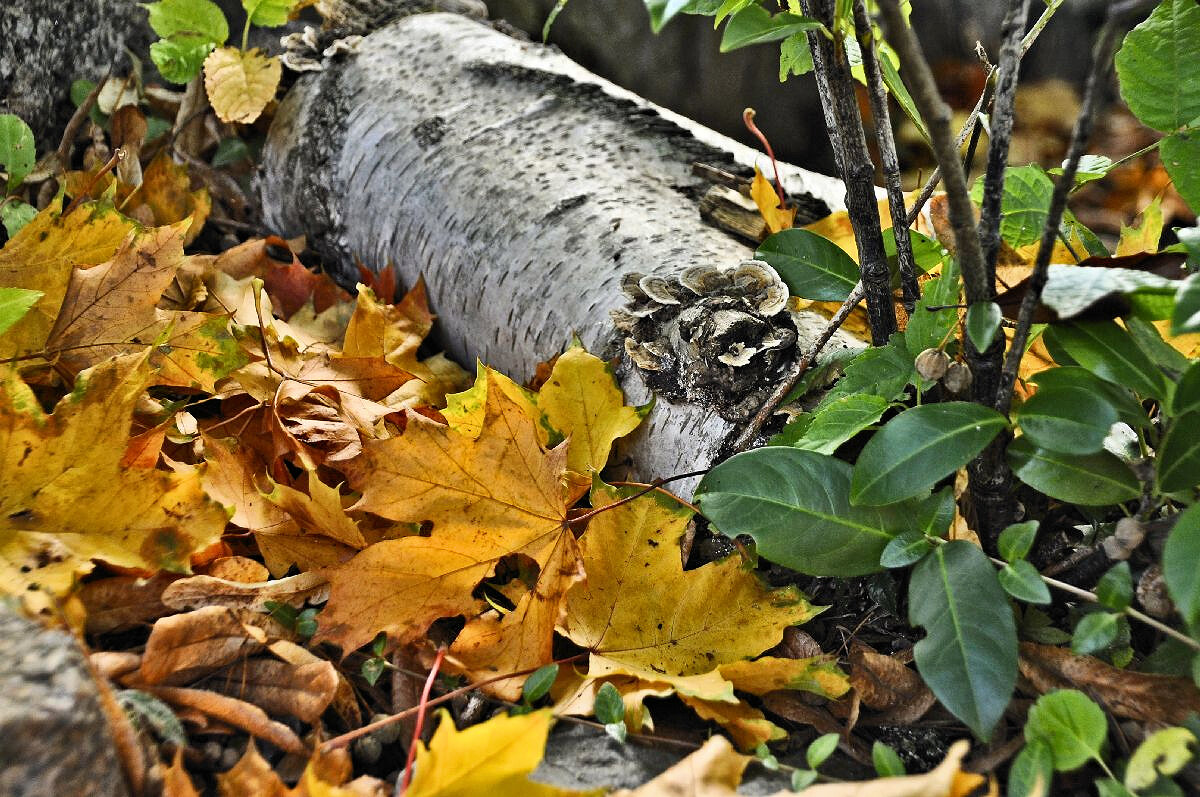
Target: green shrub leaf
1115,588
1073,377
15,214
813,267
880,371
1156,66
983,321
1178,457
180,57
1186,316
1070,724
18,150
795,504
538,684
887,761
1186,397
1098,479
929,329
969,654
902,551
609,707
1164,753
821,748
836,422
1180,556
1068,420
1016,541
755,25
1025,204
1093,632
268,13
1031,771
1021,580
1110,353
1180,155
200,18
919,447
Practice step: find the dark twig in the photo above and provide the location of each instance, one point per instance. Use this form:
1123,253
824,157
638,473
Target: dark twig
887,155
63,153
1101,60
754,428
857,170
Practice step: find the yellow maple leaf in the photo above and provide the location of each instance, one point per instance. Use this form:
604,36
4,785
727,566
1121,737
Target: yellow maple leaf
764,196
323,777
240,83
319,511
67,501
583,402
166,191
486,498
465,411
393,332
640,608
748,726
493,758
42,257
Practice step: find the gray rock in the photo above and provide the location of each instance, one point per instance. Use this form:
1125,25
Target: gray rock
54,737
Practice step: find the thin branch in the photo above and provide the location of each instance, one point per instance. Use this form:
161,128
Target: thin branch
1101,60
887,155
754,428
857,171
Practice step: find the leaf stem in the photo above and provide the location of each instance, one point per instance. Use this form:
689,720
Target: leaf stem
422,709
651,487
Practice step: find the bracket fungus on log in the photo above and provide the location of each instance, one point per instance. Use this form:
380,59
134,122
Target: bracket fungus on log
526,191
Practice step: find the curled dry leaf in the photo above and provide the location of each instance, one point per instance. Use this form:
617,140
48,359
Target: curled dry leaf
240,569
198,591
114,665
238,713
1147,697
302,691
121,602
240,83
176,781
886,685
185,647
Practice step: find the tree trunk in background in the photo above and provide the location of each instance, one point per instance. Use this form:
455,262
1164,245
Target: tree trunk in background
523,188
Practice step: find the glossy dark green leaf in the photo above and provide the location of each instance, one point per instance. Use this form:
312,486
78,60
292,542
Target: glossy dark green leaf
1095,631
836,422
813,267
1031,771
1178,457
880,371
887,761
372,668
1180,570
795,504
928,254
1073,377
1069,723
1109,352
755,25
906,549
538,684
1161,353
1021,580
1016,540
1186,397
969,654
1069,420
929,328
983,322
919,447
1186,316
1098,479
1115,588
936,513
609,708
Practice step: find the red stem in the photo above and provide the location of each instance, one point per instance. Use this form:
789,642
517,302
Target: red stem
748,118
421,707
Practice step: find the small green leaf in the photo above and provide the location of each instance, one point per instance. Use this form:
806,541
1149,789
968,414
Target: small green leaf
969,654
887,761
1110,353
538,684
1021,580
1067,420
18,150
1016,541
1093,480
283,613
200,18
919,447
1115,588
755,25
379,643
983,322
821,748
14,304
836,422
180,57
609,707
1089,168
1179,559
1031,771
15,214
802,778
1164,753
766,757
230,150
617,730
902,551
895,86
928,254
937,513
306,623
813,267
795,505
1094,631
1107,787
1178,457
268,13
795,58
1071,725
663,11
1162,52
372,668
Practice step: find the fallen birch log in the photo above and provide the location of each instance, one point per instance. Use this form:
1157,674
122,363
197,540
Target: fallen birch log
526,191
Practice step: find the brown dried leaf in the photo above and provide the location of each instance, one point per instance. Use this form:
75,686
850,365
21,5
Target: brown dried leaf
240,714
240,569
1147,697
114,665
198,591
123,602
303,691
176,782
885,684
184,647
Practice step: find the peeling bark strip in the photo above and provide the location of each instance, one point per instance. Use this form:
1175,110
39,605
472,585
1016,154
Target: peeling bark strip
523,188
